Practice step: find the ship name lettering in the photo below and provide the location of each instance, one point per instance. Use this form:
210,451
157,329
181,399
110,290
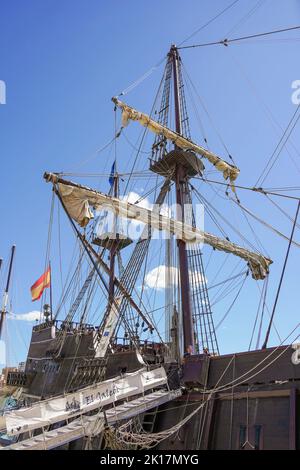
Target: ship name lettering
73,405
99,396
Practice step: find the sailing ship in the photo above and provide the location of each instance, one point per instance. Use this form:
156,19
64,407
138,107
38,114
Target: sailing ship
119,381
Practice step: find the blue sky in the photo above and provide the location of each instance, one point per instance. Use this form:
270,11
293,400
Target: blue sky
62,61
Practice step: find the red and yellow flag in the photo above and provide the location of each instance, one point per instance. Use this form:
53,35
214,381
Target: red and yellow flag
38,287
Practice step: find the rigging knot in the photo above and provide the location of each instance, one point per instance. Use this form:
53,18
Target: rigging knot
259,190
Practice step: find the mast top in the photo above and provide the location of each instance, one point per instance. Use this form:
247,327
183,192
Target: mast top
173,49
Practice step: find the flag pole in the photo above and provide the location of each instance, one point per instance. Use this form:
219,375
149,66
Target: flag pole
50,289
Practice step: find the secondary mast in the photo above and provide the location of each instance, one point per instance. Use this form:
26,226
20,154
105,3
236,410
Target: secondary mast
5,295
113,248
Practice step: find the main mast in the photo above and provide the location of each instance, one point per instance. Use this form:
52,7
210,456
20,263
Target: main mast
180,165
180,178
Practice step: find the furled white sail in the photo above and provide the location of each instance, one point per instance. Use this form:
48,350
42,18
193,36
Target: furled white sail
78,208
229,171
77,199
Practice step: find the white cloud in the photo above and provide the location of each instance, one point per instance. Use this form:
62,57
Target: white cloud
198,278
157,277
133,197
162,277
30,316
134,228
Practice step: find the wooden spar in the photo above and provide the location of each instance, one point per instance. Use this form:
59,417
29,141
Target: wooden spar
180,172
258,263
5,296
229,171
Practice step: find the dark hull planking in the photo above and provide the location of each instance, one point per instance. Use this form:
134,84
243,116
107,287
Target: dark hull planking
261,412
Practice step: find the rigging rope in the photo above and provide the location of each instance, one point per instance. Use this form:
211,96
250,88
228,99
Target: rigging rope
209,207
246,17
203,105
144,132
127,436
263,222
233,302
264,305
281,278
142,78
222,294
261,301
227,280
208,23
274,122
279,147
226,41
47,258
282,210
249,188
93,155
242,378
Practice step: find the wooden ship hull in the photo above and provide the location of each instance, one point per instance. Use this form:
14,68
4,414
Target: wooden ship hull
250,400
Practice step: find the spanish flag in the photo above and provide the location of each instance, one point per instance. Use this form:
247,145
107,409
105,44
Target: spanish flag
38,287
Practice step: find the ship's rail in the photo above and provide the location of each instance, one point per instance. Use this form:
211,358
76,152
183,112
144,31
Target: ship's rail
122,342
62,325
